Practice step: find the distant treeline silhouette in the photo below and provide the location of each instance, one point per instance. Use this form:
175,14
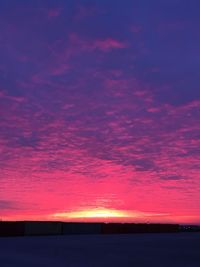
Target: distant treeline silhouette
27,228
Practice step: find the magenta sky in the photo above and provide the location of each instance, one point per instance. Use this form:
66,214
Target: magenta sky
100,109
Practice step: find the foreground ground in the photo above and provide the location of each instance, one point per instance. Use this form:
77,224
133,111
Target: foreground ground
139,250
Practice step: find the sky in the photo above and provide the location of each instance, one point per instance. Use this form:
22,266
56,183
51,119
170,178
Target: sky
99,110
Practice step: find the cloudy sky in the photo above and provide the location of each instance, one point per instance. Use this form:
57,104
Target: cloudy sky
100,109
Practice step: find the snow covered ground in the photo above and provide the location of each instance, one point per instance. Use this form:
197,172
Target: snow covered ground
136,250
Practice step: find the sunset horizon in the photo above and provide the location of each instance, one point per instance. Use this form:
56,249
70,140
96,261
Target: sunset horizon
102,215
99,111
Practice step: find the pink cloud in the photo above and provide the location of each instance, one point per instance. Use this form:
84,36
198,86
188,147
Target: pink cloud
108,44
104,45
54,12
60,69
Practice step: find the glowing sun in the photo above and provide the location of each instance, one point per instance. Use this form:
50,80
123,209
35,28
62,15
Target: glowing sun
92,213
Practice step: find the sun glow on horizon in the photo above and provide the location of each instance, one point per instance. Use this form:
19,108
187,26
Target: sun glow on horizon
92,213
108,214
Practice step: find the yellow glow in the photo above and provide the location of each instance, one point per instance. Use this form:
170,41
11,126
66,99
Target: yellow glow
104,214
94,213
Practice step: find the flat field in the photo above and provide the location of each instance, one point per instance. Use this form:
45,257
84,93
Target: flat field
134,250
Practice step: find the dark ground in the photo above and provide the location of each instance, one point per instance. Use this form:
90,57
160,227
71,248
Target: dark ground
136,250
